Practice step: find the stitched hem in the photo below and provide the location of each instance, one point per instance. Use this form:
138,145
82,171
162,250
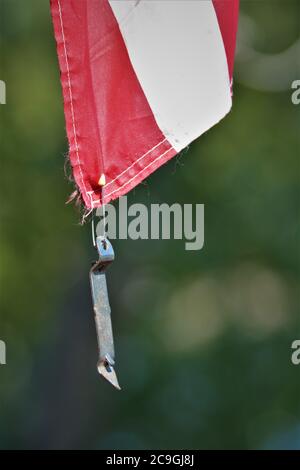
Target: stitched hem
135,163
137,178
74,154
71,96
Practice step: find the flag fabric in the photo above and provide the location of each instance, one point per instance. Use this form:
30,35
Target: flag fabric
141,80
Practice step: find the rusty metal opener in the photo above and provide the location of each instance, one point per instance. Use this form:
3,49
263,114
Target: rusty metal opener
102,311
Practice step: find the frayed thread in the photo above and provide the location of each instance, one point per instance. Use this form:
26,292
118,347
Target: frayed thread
75,197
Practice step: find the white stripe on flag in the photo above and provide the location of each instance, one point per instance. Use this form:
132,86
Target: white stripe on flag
177,52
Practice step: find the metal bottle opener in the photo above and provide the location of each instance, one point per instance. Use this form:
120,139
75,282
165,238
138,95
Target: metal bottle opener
103,312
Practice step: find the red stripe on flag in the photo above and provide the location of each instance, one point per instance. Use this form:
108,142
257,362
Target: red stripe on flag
227,13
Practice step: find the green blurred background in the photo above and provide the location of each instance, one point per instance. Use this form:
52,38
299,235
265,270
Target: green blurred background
203,339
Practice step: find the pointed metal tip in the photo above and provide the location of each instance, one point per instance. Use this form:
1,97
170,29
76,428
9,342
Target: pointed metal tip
108,372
